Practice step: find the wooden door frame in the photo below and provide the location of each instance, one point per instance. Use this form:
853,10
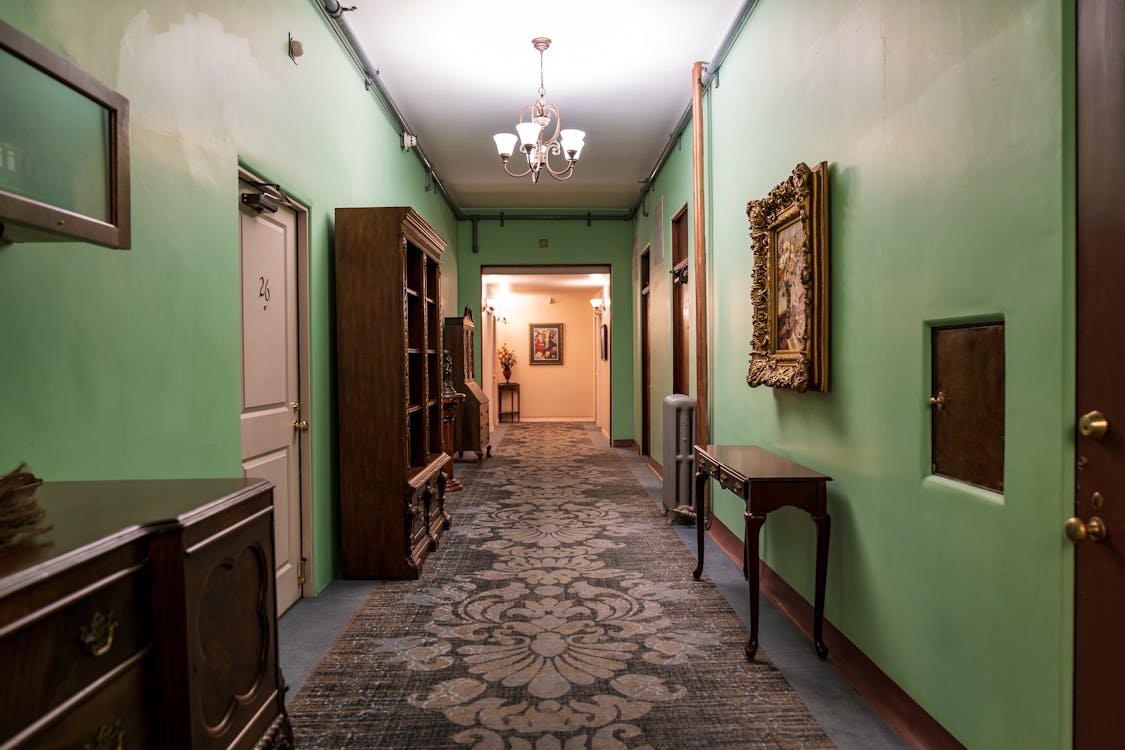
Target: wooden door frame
681,345
301,210
1099,156
644,324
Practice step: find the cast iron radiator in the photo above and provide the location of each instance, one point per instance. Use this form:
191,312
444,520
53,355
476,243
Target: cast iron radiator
679,438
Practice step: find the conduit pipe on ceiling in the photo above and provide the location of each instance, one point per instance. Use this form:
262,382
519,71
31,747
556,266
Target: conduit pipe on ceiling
502,217
334,14
700,225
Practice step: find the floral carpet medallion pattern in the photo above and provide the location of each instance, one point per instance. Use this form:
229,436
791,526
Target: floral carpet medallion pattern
559,613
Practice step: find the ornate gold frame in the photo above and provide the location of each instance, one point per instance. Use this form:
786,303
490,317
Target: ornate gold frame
803,197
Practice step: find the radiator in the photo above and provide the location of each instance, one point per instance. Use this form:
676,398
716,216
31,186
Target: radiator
679,437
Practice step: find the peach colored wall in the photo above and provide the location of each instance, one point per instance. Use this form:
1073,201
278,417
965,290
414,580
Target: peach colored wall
563,391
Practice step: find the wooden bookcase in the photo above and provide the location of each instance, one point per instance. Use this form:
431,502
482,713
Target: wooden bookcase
388,366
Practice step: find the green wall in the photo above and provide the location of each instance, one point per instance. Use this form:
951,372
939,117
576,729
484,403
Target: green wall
570,242
125,364
949,131
673,186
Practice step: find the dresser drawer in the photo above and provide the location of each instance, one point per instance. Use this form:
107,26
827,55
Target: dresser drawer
115,715
53,653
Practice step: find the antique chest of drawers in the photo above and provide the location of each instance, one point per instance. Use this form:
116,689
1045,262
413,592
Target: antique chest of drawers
143,618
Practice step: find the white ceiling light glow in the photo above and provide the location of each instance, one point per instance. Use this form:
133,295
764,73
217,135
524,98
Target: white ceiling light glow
541,136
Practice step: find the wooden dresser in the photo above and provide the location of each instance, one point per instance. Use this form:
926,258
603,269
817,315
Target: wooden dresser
144,619
388,370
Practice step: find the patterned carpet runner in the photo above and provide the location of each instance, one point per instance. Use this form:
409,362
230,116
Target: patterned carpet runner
559,613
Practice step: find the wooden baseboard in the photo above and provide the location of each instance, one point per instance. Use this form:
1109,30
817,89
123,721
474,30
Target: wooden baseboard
656,468
632,444
909,721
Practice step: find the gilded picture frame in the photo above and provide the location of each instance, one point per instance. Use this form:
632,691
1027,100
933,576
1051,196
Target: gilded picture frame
545,346
789,290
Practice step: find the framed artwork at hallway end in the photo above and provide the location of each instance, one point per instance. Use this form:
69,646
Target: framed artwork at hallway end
546,346
789,291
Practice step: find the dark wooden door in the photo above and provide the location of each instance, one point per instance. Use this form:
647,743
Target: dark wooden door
681,317
646,369
1099,656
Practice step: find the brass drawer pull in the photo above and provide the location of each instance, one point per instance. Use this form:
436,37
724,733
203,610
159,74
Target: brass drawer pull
109,737
97,639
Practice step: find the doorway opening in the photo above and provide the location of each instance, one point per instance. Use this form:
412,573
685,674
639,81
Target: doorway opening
681,315
557,321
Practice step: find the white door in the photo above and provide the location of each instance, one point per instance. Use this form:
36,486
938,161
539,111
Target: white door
270,385
488,364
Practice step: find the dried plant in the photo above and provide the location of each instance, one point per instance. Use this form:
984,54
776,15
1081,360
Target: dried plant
21,516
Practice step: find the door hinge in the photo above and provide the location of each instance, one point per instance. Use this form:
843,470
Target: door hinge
301,572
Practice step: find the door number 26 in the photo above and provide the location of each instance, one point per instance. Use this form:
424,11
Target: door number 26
264,291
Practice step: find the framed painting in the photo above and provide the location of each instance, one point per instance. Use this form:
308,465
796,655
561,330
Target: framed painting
605,341
789,291
546,344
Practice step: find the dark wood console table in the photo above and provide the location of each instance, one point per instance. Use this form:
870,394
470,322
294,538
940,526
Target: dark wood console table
765,482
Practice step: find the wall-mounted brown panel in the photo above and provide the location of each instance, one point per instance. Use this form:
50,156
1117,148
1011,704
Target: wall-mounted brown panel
968,404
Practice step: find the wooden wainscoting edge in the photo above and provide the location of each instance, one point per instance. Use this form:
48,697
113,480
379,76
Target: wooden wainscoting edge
903,715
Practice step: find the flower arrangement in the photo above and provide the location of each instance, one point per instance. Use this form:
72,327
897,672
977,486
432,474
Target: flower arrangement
506,355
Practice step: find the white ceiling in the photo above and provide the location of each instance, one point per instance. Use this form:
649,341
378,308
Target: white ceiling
460,71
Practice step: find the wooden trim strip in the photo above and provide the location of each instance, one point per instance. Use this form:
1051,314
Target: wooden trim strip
902,713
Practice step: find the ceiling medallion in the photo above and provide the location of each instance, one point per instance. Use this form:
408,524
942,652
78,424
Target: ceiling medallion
536,121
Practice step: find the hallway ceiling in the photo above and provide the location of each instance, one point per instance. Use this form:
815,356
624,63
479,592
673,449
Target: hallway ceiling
619,69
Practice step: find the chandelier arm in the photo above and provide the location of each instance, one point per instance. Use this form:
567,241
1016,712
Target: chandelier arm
563,174
549,110
524,173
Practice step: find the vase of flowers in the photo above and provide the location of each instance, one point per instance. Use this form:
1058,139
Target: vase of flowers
507,358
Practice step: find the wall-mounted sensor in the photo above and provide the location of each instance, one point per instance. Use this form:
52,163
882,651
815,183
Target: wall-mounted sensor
409,141
296,49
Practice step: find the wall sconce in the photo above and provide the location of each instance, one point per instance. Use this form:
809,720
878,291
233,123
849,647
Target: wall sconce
680,275
596,303
489,306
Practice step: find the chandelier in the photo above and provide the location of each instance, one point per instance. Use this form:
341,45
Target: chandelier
534,125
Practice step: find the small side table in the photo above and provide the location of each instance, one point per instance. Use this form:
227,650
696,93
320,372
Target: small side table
765,481
449,404
513,391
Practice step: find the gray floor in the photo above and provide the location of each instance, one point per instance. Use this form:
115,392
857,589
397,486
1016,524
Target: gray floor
311,625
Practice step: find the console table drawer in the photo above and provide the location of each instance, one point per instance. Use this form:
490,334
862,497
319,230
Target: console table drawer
53,653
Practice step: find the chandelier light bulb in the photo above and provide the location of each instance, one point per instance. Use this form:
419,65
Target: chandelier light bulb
529,134
572,140
505,144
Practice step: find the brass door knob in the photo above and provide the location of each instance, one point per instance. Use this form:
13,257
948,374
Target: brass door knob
1093,424
1078,531
302,425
